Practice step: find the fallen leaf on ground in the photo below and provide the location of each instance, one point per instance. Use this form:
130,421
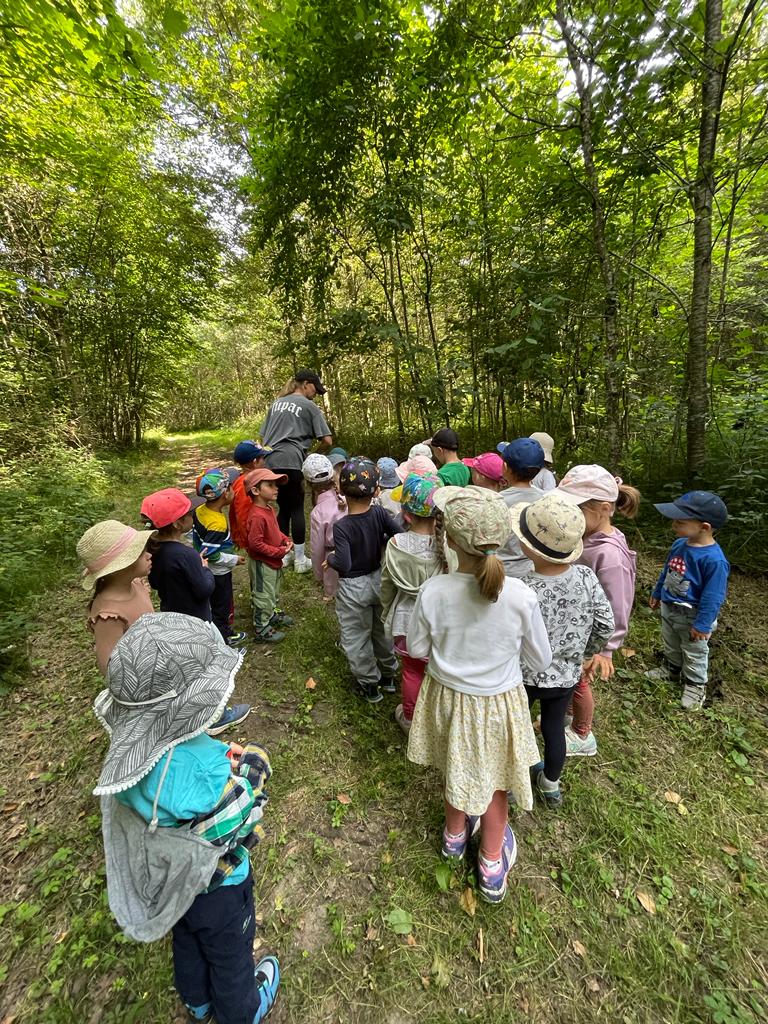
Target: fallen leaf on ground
730,850
411,940
371,934
94,736
579,948
310,684
480,942
646,901
628,652
9,808
344,798
425,981
682,809
467,901
400,921
593,984
671,797
440,972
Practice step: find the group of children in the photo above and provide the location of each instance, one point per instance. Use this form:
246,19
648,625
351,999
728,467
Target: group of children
490,585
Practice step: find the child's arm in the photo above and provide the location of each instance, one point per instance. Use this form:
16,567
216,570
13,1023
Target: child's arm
655,599
199,577
317,545
714,582
257,545
388,588
535,649
419,639
340,558
389,527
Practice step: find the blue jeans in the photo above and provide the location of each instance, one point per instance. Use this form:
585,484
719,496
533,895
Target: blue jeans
213,953
690,657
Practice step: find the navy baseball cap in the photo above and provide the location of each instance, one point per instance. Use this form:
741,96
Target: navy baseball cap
523,453
703,506
247,451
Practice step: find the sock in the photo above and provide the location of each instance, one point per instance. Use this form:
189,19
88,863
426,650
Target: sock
299,549
456,835
490,865
546,784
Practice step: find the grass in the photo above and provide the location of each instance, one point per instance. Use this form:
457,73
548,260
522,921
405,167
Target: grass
645,900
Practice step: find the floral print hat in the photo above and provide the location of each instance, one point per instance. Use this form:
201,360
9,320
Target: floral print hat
417,494
359,478
553,527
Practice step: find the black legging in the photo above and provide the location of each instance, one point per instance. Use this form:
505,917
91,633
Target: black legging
553,702
290,505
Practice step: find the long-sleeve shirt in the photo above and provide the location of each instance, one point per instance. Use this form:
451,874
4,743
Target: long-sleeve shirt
239,511
579,622
264,540
615,565
210,536
358,542
325,513
182,581
695,577
474,645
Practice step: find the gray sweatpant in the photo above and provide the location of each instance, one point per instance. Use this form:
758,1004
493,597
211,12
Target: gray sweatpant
681,652
358,609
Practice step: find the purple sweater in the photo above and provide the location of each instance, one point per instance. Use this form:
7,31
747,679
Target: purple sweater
615,566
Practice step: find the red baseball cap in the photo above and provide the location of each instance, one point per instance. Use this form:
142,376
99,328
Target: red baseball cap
164,507
258,476
489,464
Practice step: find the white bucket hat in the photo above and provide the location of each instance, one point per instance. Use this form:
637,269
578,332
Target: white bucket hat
546,441
109,547
553,527
588,483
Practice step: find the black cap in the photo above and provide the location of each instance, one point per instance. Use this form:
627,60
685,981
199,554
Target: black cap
446,438
310,377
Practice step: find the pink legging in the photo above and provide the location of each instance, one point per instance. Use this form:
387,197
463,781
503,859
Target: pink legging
411,677
583,708
492,824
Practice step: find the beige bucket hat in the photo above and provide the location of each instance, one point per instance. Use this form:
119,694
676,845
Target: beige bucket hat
108,547
475,518
553,527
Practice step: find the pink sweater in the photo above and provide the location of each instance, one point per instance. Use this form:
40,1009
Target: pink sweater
323,516
615,566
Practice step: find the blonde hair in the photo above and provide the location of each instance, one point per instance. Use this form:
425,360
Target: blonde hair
488,570
628,501
288,388
440,540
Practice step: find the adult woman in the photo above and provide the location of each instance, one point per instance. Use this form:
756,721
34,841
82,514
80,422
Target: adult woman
292,424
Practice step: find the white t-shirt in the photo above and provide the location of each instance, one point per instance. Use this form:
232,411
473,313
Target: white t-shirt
544,480
473,645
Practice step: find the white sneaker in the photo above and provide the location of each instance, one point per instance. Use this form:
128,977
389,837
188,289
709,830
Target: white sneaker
693,697
289,559
568,721
302,565
575,746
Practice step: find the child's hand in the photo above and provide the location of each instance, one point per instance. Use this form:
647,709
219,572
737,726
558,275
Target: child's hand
602,666
234,755
654,602
241,560
696,634
204,560
287,543
325,565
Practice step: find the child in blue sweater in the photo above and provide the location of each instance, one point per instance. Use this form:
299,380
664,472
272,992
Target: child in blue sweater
690,590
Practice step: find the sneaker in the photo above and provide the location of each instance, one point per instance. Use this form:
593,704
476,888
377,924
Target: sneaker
455,848
267,975
665,672
576,746
236,639
202,1014
281,619
370,692
268,636
402,721
568,721
493,884
302,565
552,797
693,697
387,685
289,559
231,716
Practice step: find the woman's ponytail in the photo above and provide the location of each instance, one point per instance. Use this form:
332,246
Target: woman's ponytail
489,573
628,501
289,388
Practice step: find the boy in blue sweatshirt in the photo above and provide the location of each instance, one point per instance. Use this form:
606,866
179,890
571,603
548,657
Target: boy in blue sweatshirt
690,590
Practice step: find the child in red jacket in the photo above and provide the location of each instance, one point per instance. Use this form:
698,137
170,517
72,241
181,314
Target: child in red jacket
266,545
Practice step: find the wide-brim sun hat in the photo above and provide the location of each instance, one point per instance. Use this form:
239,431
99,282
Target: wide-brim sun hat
388,469
553,527
420,449
588,483
168,679
108,547
476,519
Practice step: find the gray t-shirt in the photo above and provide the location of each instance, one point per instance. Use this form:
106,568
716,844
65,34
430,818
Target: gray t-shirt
292,424
514,561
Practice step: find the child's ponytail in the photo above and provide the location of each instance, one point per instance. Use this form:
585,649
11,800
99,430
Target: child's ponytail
440,540
628,501
489,573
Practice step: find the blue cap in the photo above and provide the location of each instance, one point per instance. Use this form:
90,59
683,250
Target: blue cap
523,453
388,469
247,451
703,506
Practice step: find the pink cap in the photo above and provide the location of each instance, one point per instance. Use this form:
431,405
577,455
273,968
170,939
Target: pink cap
419,465
164,507
589,483
489,464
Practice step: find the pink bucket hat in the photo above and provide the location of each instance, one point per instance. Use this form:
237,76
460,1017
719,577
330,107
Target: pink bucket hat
488,464
588,483
419,465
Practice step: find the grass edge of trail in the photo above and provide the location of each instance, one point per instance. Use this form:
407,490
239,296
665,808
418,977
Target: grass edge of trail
668,816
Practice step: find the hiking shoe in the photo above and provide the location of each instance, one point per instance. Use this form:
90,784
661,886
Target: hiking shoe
236,639
267,975
280,618
693,697
493,884
289,559
387,685
302,565
230,716
370,692
454,848
268,636
402,721
577,746
552,797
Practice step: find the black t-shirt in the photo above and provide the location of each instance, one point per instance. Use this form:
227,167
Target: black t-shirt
359,540
181,580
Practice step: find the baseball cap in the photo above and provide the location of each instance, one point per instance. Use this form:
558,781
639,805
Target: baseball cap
247,451
212,484
257,476
489,464
164,507
359,478
317,468
588,483
553,527
522,453
445,438
310,377
388,469
703,506
422,448
546,441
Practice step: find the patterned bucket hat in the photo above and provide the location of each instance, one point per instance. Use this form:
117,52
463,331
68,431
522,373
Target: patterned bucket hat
212,484
553,527
359,478
168,678
475,518
417,494
317,469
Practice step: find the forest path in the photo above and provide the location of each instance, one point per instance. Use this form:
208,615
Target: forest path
634,903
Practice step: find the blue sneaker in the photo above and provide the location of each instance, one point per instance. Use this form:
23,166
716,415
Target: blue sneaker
237,639
455,848
200,1014
267,976
493,884
553,798
231,716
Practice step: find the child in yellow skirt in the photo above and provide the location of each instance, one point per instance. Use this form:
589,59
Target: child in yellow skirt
471,718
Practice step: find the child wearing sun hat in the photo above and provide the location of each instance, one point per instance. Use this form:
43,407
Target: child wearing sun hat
319,474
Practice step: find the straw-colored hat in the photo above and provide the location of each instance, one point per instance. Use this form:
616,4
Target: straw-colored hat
109,547
475,518
553,527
